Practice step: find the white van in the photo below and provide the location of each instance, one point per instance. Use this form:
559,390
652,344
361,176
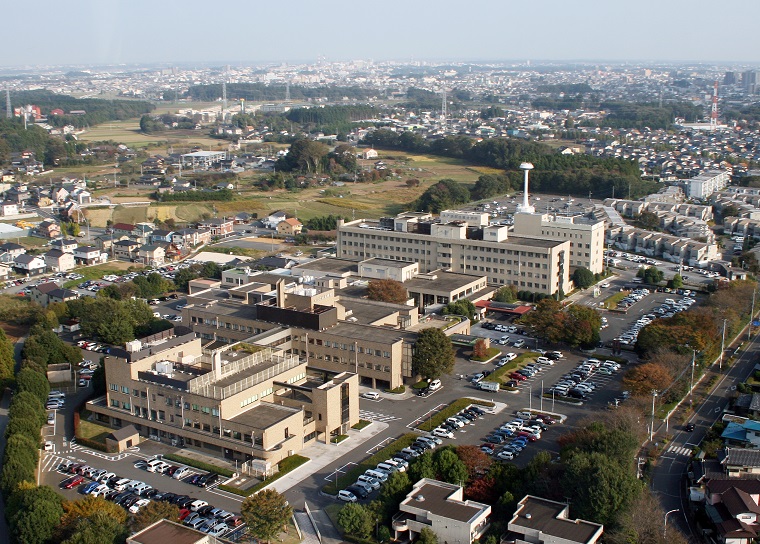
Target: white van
524,415
154,466
122,484
488,386
376,474
399,466
386,466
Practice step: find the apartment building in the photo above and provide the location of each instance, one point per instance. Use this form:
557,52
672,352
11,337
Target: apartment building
224,399
586,236
706,184
530,263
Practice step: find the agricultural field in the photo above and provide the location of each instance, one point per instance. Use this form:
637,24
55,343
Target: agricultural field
128,133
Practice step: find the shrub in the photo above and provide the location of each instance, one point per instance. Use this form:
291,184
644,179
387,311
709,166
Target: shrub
198,464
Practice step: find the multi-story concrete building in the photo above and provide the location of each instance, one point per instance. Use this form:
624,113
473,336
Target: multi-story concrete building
706,184
586,236
529,263
541,521
441,507
241,404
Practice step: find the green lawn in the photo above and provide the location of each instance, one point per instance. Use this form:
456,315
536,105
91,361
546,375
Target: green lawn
611,302
519,362
98,271
93,431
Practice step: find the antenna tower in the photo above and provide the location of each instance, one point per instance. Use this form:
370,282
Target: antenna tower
443,105
714,110
287,91
8,112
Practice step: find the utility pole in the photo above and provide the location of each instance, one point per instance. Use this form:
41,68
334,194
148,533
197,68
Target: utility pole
651,429
691,389
751,316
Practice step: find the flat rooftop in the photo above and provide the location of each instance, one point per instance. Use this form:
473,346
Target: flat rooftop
377,261
165,531
445,281
359,332
331,265
436,501
264,415
542,515
366,312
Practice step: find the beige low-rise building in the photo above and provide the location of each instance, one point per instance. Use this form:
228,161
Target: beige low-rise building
230,400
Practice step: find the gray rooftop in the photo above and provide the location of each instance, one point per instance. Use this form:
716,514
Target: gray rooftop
264,415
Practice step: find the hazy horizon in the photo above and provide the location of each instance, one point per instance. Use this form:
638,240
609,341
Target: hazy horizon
140,32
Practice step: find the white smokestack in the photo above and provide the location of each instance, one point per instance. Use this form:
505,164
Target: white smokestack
525,207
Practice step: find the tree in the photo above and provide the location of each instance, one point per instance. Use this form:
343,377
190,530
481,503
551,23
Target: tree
387,291
89,506
423,467
450,468
547,320
427,536
356,520
460,307
599,487
7,362
475,461
393,492
676,282
152,512
651,275
33,382
34,514
642,379
99,528
266,514
507,294
433,354
583,278
648,221
26,404
412,182
490,185
479,350
445,194
582,326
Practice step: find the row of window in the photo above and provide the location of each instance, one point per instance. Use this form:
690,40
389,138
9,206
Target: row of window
349,347
484,249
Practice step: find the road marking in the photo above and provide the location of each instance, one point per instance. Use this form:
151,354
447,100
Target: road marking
379,446
679,450
376,416
333,475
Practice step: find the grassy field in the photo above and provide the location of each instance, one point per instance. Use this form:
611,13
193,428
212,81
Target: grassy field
93,431
128,133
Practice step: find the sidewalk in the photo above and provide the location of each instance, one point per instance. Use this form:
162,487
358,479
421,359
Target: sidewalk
320,455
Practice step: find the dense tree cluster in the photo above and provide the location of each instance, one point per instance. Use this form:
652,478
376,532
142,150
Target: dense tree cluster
266,513
222,195
445,194
460,307
577,325
110,320
433,353
324,222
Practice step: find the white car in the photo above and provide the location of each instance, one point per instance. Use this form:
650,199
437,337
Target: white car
100,490
544,361
456,422
442,433
346,496
49,446
180,473
511,356
371,395
505,455
435,384
139,504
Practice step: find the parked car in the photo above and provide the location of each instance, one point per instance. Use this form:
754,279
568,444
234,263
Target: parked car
346,496
443,433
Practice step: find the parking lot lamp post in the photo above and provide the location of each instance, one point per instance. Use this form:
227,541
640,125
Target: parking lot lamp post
691,389
723,344
552,400
651,429
542,395
530,397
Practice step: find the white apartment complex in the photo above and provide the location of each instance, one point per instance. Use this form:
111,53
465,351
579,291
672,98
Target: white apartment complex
537,264
706,184
586,236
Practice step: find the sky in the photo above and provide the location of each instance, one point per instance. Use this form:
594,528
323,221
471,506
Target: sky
105,32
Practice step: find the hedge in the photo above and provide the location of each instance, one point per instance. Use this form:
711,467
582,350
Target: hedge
87,443
362,423
452,409
199,464
349,477
288,464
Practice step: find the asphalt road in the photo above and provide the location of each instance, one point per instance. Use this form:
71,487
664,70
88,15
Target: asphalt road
668,475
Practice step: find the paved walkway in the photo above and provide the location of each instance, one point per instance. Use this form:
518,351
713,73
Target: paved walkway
307,528
320,455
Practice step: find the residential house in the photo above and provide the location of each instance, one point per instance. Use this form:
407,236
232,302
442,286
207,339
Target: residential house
441,507
218,227
8,207
732,506
289,227
143,230
9,251
161,236
5,272
48,293
740,462
743,434
105,242
272,220
125,250
123,229
49,229
541,521
59,261
191,237
243,218
67,245
152,254
59,195
29,264
89,255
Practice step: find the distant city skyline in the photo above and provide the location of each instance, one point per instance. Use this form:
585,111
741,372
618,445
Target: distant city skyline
94,33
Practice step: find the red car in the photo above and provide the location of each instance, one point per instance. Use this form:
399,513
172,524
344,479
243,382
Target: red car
183,513
518,377
72,482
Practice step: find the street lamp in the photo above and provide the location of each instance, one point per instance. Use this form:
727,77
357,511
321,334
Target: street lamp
665,525
651,429
723,344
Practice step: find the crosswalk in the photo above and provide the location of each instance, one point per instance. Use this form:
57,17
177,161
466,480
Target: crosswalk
376,416
678,450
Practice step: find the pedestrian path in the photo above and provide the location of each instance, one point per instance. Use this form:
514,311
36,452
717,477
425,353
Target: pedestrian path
307,528
376,416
